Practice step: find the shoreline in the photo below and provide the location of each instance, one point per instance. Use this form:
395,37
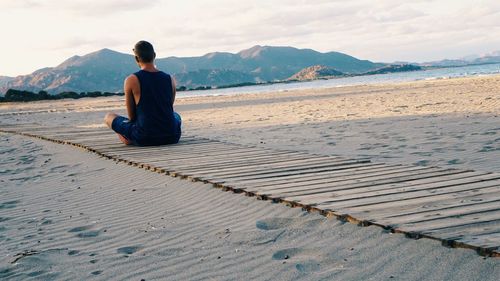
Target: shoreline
230,90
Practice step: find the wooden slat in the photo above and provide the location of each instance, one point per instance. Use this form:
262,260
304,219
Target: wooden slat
320,176
284,173
245,167
195,154
262,170
180,159
366,212
207,166
351,182
323,173
353,189
451,222
375,213
465,231
206,161
456,210
328,177
468,188
485,240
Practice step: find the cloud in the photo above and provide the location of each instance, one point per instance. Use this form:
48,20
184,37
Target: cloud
384,30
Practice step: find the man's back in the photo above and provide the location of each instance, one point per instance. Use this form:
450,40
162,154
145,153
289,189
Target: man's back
154,113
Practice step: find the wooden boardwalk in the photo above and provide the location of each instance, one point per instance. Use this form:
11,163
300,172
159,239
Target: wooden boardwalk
461,208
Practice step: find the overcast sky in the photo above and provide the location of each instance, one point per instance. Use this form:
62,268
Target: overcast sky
39,33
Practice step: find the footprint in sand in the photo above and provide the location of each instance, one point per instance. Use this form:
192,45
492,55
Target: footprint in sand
84,232
278,223
128,250
73,252
291,253
9,204
274,223
46,221
422,163
305,262
308,260
489,148
455,162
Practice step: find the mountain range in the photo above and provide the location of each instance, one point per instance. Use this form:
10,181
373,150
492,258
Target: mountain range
105,70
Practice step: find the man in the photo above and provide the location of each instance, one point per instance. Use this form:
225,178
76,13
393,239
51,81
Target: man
149,98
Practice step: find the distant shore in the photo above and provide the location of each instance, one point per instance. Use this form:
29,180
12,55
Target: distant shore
250,87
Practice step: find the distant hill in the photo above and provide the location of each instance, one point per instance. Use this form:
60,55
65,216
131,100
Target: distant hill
493,57
394,68
4,80
105,70
315,72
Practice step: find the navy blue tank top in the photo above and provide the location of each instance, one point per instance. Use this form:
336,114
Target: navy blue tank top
155,114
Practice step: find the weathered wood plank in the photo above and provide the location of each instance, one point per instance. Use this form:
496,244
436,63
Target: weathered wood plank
289,166
449,191
326,175
333,176
245,167
485,240
237,163
284,173
208,161
224,163
353,189
465,231
376,213
455,210
121,148
350,182
367,212
451,222
181,159
167,155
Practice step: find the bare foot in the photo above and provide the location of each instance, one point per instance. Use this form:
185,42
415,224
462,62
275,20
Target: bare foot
124,140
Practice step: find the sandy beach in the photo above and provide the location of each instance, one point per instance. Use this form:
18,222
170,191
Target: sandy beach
69,214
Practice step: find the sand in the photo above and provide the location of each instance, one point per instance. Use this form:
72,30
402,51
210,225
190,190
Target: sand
67,214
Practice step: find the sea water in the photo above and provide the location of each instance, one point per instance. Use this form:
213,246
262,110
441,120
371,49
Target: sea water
431,74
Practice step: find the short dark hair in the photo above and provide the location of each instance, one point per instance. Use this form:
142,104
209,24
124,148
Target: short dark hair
144,51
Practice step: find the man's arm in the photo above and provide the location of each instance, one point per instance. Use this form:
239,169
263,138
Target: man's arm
174,90
131,90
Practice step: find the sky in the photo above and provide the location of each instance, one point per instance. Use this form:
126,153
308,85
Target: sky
42,33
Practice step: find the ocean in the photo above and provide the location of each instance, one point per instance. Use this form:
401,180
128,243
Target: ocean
432,74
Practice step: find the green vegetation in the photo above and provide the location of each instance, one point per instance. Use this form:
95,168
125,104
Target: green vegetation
13,95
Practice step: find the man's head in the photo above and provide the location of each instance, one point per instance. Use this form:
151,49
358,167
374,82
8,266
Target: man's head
144,52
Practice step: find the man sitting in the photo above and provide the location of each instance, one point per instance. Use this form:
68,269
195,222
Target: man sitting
149,97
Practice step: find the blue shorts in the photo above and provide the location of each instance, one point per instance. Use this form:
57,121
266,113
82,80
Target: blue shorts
128,130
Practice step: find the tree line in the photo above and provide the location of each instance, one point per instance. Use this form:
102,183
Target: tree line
13,95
